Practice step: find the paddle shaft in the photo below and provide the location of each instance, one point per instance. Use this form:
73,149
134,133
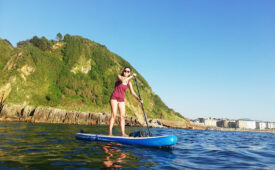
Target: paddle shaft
143,108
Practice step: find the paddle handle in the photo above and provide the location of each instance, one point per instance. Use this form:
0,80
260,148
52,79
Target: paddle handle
145,117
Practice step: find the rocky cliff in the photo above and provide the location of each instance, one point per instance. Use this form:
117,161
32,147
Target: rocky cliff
51,115
25,113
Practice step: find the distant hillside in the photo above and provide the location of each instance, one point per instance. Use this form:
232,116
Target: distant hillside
246,119
73,73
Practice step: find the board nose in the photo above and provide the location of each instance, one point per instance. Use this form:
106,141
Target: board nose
174,139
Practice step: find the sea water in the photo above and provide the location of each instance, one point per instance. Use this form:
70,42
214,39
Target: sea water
53,146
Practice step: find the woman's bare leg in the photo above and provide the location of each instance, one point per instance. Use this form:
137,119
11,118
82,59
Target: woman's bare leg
121,107
113,116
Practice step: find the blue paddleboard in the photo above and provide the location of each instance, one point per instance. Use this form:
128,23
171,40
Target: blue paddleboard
145,141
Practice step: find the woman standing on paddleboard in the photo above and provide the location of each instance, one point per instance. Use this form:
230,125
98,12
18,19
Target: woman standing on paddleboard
117,98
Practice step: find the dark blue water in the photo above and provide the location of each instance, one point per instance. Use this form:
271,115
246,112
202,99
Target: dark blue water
50,146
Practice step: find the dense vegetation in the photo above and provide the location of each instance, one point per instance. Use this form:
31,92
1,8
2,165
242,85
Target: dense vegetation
73,73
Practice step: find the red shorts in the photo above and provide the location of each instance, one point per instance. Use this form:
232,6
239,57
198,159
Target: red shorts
119,99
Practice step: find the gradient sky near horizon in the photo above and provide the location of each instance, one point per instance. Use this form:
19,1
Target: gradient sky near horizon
203,58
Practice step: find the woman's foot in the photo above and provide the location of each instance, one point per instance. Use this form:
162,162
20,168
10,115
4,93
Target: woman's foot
125,135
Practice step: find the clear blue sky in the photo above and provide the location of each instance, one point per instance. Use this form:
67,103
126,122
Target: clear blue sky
211,58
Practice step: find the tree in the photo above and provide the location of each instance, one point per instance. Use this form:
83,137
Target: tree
59,36
42,43
22,43
67,37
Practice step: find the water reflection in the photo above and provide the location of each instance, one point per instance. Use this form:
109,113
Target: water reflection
114,156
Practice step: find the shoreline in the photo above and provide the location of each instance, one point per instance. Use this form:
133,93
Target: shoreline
25,113
241,130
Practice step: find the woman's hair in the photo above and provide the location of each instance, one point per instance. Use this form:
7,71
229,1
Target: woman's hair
122,74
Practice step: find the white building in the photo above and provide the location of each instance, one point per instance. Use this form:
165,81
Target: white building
210,122
251,124
246,124
261,125
270,125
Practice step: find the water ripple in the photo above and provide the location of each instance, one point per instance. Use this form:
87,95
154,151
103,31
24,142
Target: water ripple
45,146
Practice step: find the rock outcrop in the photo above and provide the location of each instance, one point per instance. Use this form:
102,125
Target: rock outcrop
4,92
25,113
25,71
52,115
82,66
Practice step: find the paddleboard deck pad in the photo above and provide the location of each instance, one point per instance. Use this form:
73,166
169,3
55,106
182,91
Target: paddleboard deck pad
157,141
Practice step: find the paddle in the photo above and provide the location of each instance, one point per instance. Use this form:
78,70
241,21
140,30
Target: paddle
140,133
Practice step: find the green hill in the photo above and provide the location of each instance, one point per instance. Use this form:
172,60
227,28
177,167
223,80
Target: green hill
73,73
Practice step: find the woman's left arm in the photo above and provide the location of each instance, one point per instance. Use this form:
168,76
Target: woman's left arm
133,92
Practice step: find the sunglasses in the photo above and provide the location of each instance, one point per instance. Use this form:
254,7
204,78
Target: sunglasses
125,71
